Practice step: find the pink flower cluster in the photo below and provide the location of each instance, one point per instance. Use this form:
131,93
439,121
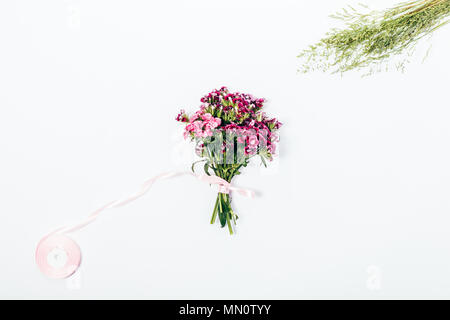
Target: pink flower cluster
253,137
182,116
201,125
241,103
236,115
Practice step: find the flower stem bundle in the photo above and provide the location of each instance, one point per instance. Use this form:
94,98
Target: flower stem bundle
229,129
371,39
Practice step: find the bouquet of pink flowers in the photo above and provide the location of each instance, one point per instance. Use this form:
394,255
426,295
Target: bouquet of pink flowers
228,130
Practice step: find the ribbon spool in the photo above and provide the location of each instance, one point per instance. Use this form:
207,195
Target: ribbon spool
58,256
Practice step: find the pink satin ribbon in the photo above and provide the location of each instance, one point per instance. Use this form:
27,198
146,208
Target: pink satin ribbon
53,239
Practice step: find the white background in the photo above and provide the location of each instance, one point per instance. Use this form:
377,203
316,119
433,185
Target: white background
356,207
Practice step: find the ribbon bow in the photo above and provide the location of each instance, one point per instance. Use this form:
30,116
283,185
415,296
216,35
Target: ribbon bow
225,186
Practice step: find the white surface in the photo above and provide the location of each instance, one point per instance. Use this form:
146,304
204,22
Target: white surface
358,206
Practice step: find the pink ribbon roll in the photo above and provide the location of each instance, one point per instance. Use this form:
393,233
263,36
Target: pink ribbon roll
58,256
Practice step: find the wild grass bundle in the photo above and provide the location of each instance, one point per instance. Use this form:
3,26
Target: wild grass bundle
371,39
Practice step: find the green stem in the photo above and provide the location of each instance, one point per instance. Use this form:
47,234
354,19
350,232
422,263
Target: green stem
227,204
220,201
222,207
214,216
229,224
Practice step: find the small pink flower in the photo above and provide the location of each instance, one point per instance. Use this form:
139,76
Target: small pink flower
253,141
250,151
207,133
195,116
207,116
272,148
216,122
